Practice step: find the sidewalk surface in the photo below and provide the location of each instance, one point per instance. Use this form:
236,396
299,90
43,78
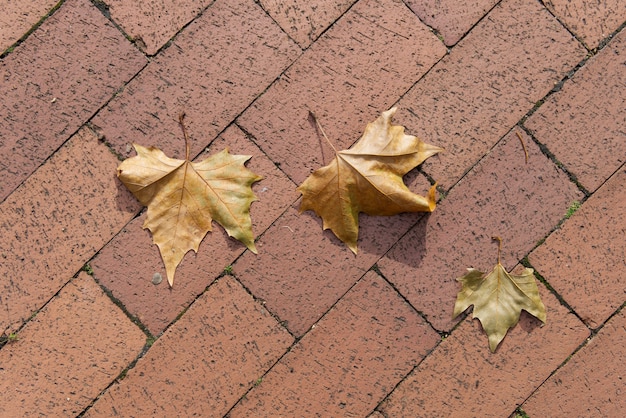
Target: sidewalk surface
306,328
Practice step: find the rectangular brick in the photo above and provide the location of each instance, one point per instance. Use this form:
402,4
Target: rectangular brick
356,70
591,384
151,24
67,354
502,196
349,362
589,274
461,377
204,363
18,17
215,68
301,270
54,82
490,80
583,124
305,20
56,221
127,264
451,18
591,21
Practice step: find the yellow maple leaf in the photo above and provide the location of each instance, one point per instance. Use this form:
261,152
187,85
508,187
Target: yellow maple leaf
183,198
368,178
498,299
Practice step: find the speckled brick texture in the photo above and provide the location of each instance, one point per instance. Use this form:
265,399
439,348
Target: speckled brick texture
204,363
67,354
301,270
365,66
492,78
590,274
54,223
591,384
305,20
352,359
152,23
461,377
222,61
584,125
516,201
54,82
127,265
591,21
451,18
18,17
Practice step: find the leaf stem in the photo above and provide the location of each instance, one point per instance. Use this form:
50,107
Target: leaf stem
496,238
523,145
181,118
319,126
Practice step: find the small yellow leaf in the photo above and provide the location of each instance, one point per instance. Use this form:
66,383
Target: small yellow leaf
368,178
498,300
183,197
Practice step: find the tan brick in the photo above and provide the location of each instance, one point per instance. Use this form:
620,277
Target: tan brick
305,20
67,354
591,21
356,70
54,82
584,260
127,264
490,80
502,196
591,384
204,363
56,221
451,18
214,69
152,23
18,17
584,124
349,362
301,270
461,377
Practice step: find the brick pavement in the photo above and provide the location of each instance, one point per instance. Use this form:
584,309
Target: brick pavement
305,328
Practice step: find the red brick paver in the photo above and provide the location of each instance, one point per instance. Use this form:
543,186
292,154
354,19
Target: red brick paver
54,223
592,381
54,82
591,21
305,327
516,201
590,274
305,20
451,18
18,17
203,364
67,354
463,378
349,361
583,125
361,63
488,82
301,271
212,72
152,23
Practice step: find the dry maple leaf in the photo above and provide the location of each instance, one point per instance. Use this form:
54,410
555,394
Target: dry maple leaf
368,178
183,197
499,298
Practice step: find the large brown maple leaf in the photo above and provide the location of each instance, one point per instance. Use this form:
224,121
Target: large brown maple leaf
368,178
183,197
499,298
